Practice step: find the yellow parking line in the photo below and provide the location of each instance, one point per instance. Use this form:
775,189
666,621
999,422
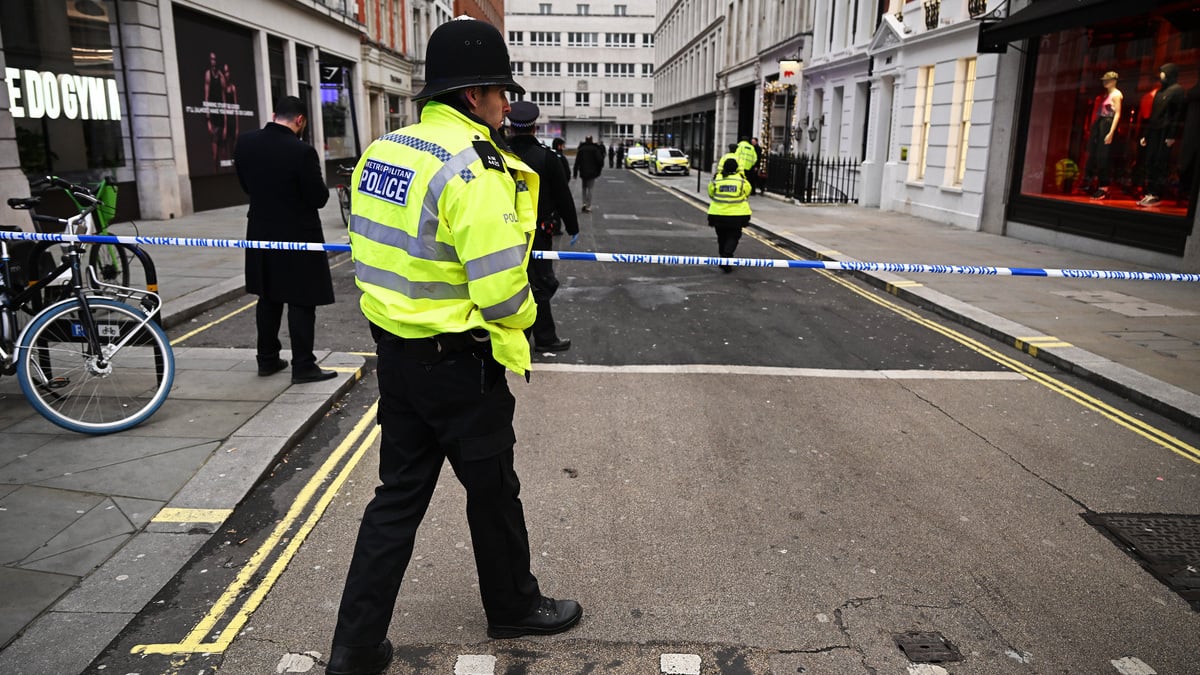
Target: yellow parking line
178,515
194,641
210,324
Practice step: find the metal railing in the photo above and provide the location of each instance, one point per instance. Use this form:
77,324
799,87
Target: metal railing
813,179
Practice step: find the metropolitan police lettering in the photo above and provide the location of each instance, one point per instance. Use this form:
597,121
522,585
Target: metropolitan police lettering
386,181
727,188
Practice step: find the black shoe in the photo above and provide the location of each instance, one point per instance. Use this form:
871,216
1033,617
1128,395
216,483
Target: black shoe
552,616
359,660
559,345
314,375
271,367
727,269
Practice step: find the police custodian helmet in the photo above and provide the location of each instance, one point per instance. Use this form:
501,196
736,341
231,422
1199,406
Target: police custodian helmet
465,53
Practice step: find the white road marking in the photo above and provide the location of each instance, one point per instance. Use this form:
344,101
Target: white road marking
926,669
714,369
475,664
679,664
1131,665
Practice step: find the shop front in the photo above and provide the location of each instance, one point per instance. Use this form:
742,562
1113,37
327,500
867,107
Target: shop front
66,98
1108,141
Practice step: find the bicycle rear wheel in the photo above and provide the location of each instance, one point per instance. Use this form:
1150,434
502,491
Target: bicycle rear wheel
95,393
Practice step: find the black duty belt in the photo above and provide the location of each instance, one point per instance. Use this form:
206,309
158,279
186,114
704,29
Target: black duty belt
435,347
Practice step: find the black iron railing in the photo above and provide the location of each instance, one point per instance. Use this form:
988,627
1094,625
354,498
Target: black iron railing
933,9
976,7
813,179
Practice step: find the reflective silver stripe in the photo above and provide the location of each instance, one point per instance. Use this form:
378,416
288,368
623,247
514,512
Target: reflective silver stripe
455,166
397,238
495,262
508,307
417,290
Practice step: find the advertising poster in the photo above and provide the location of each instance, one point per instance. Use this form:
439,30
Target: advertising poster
217,82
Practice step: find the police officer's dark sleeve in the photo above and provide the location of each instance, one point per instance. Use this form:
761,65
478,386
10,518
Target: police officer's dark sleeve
554,184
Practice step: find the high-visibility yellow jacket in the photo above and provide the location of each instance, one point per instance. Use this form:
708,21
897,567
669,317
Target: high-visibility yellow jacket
728,195
441,225
747,156
721,162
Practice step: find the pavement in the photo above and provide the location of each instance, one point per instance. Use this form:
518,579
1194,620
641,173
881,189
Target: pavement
91,528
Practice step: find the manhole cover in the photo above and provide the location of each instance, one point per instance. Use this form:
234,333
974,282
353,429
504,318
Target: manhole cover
1167,545
926,648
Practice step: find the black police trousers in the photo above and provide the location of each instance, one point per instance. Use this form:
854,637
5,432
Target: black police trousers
544,284
430,411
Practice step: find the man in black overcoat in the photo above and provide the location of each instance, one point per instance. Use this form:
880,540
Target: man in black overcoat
282,175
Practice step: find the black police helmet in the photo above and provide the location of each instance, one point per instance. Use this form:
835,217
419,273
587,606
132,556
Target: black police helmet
465,53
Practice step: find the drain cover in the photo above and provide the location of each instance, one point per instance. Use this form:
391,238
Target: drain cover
926,648
1167,545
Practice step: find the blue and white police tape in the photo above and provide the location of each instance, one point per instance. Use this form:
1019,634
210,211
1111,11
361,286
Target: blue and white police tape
644,258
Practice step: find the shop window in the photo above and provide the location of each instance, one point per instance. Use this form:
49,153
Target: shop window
922,115
62,90
1113,115
337,110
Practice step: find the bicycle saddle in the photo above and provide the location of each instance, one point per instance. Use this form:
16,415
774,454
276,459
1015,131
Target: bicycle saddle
24,203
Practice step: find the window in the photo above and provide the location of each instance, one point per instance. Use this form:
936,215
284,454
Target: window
620,39
583,39
538,38
582,10
647,100
619,10
621,131
582,69
921,116
618,100
965,101
546,97
544,8
647,70
647,39
618,70
583,99
544,68
516,37
518,67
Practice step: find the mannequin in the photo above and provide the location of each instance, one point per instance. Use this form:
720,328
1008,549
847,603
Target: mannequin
1104,127
1162,130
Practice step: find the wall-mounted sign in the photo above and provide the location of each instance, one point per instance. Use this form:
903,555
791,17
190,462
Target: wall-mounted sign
36,94
789,72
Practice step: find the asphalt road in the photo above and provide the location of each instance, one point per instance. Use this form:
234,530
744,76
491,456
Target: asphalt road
777,471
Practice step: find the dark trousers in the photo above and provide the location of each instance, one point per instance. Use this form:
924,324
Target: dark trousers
302,322
1099,152
729,232
1158,156
544,284
459,409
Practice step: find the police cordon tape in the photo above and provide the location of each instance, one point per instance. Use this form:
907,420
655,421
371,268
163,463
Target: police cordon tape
641,258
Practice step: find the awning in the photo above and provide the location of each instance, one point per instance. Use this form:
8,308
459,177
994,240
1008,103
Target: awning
1050,16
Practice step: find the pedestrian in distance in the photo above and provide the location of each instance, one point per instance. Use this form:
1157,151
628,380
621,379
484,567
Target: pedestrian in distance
728,208
554,205
612,156
559,146
282,175
440,226
589,162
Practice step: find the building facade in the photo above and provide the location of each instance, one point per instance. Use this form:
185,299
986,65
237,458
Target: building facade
718,69
491,11
589,66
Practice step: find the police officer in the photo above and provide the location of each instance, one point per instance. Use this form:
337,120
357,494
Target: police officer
443,215
554,202
728,208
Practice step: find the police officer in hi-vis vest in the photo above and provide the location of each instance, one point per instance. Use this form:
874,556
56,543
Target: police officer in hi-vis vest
728,208
443,216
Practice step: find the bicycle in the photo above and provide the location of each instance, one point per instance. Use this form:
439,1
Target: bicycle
88,363
343,193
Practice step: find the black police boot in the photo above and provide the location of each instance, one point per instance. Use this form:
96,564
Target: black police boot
552,616
271,366
557,345
359,660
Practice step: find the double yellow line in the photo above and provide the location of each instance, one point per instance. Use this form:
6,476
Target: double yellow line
199,640
1137,426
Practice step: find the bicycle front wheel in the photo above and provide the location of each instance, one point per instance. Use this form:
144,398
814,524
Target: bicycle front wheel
344,203
91,393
